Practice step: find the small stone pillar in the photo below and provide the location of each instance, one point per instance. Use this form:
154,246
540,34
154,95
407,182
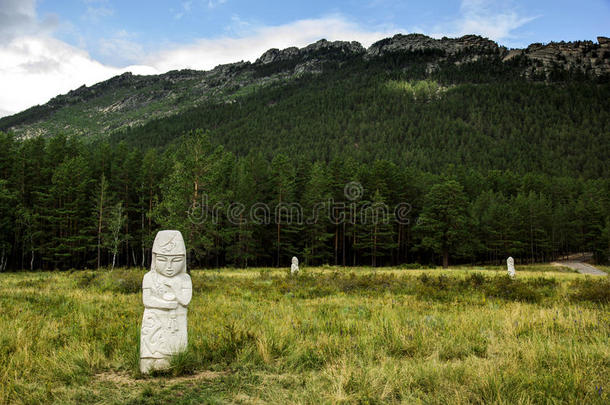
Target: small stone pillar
294,267
510,264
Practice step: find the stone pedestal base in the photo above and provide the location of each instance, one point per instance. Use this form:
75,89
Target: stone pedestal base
148,365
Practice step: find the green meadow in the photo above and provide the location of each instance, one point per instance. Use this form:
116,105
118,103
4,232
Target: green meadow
330,335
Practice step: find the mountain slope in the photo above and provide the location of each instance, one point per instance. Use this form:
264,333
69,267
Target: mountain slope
128,101
518,126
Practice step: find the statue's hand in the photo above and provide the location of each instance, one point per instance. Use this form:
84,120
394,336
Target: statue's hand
173,286
168,296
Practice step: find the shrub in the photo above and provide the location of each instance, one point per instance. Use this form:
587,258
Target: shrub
476,279
128,285
85,279
532,290
120,281
591,289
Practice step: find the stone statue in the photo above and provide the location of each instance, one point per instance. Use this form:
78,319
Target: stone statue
294,267
510,263
166,291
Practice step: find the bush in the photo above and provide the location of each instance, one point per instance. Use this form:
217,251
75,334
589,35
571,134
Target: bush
128,284
120,281
591,289
85,279
476,279
513,289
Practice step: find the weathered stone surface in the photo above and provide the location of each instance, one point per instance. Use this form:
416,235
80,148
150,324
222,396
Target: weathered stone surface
166,292
343,47
294,267
275,55
510,264
512,54
420,42
293,53
310,66
584,56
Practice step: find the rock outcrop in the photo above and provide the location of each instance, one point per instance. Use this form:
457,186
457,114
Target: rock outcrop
542,59
336,48
419,42
584,56
275,55
339,47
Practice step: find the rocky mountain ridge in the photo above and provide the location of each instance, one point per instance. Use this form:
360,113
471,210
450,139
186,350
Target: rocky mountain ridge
129,100
419,42
585,56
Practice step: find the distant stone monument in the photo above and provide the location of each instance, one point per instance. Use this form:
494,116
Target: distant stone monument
294,267
166,292
510,263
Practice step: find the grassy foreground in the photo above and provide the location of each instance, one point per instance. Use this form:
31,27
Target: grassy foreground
329,335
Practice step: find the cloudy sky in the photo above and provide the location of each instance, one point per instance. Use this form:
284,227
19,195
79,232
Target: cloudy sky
48,47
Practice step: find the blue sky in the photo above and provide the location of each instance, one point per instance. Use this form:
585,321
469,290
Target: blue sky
51,46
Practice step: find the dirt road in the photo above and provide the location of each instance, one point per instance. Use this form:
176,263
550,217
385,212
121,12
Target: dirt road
582,268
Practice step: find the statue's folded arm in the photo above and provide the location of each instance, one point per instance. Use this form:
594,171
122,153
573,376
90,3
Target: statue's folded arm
150,301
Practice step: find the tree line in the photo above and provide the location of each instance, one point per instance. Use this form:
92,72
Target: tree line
64,204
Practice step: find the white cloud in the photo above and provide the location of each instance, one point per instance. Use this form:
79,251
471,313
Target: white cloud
18,17
494,19
215,3
185,9
121,49
208,53
35,69
95,14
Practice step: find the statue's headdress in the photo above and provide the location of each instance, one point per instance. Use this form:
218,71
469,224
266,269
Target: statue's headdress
169,243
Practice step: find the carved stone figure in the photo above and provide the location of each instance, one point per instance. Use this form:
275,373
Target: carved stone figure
510,263
294,267
166,292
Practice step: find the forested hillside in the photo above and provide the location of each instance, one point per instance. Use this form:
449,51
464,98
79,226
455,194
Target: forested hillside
464,162
501,123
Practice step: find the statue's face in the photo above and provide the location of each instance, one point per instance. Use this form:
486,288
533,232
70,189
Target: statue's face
169,265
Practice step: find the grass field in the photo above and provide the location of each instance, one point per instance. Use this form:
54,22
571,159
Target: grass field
330,335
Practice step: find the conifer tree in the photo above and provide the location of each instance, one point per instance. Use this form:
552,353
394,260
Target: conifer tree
242,249
283,179
7,201
443,223
375,229
315,204
191,197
